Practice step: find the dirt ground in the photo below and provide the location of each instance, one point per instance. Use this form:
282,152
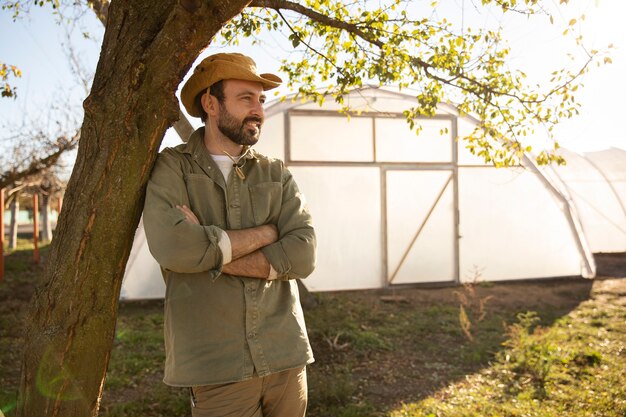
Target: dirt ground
416,368
409,371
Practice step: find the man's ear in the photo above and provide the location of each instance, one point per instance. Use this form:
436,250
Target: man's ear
209,104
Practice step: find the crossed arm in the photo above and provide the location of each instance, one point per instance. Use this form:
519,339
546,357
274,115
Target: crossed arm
247,258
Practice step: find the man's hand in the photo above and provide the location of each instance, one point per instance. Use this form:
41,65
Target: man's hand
190,217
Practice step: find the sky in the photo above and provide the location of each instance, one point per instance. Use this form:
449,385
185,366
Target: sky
35,44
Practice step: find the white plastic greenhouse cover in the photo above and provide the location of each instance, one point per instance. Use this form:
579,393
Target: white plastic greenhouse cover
391,207
143,279
596,183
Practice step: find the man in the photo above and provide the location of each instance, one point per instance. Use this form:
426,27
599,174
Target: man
232,234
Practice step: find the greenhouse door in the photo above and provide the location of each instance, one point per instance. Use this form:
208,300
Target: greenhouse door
420,226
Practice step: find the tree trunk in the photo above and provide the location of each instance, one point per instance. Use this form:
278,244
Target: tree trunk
46,224
15,212
146,51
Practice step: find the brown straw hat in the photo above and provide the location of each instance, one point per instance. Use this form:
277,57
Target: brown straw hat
222,66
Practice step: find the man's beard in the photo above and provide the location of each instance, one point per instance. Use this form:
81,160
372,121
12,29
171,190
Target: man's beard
236,130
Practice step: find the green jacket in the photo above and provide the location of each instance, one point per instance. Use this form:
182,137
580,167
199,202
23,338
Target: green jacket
221,328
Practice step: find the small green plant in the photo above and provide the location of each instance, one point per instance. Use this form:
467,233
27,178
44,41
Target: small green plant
529,355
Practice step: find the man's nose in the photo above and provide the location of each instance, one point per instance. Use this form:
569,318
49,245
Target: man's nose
258,110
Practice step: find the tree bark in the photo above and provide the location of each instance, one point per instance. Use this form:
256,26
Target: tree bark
15,212
146,51
182,126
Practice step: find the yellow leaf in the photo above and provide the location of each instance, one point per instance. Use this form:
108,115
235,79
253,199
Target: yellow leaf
608,60
572,22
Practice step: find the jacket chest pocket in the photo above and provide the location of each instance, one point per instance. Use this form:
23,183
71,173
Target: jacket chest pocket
266,200
206,199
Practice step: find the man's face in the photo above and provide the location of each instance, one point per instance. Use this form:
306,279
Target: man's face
241,114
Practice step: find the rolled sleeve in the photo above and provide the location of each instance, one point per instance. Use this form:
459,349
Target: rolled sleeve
226,248
175,243
293,255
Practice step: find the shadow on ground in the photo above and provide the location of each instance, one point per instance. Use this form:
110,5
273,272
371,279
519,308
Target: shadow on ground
378,349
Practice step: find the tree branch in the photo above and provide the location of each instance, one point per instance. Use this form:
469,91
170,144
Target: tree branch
38,165
101,9
316,16
472,86
352,28
308,45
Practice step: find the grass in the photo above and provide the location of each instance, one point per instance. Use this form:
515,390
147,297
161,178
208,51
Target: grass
410,353
574,368
133,386
20,278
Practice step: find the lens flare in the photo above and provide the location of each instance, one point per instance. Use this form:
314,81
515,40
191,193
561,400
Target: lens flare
54,380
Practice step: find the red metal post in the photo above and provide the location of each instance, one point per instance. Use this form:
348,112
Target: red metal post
36,228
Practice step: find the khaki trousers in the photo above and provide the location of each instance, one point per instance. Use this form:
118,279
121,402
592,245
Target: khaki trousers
283,394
